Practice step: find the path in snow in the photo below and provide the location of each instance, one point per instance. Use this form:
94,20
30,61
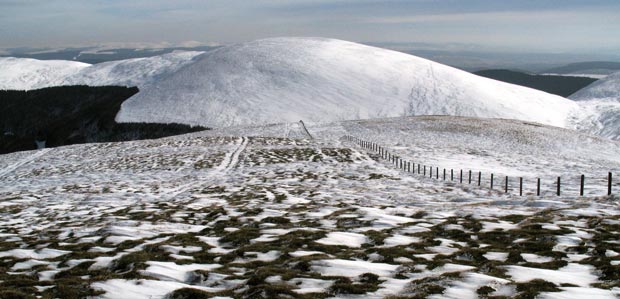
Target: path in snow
233,157
34,156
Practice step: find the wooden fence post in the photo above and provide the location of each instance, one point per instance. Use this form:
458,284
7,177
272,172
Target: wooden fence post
583,181
506,187
424,170
461,177
479,177
437,173
609,183
470,177
520,186
558,191
452,175
538,187
491,181
444,174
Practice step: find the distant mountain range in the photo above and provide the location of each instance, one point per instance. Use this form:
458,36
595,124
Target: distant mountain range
590,67
560,85
98,55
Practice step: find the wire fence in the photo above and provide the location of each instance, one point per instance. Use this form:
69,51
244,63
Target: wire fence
503,183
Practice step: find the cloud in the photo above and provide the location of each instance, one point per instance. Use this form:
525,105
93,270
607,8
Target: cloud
569,24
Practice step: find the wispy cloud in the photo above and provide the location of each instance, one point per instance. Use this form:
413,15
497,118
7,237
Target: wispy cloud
532,24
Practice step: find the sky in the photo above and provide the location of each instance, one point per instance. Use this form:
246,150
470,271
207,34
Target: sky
584,26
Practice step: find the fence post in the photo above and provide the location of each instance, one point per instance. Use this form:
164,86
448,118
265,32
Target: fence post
609,183
444,174
418,168
491,181
506,187
470,176
583,181
437,173
479,177
558,191
538,187
461,178
520,186
451,174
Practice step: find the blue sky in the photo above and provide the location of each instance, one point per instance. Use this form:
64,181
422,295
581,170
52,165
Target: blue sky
585,26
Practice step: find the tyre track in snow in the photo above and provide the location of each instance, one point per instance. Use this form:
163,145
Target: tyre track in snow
231,159
23,162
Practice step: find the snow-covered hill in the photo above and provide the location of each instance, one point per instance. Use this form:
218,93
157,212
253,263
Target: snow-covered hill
607,88
27,74
131,72
600,107
317,80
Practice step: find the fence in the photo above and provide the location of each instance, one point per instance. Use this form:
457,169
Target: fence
470,176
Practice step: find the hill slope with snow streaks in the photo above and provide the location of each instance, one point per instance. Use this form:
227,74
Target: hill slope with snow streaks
315,79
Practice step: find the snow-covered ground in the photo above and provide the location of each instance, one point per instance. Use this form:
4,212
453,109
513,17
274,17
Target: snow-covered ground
235,215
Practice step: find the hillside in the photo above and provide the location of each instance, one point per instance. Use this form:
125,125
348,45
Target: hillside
25,73
319,80
70,115
249,213
607,88
558,85
28,74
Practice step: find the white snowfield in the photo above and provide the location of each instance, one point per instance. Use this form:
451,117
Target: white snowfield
28,74
264,215
317,79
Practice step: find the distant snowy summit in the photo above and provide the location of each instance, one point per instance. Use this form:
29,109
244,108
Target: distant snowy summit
28,74
322,80
313,79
